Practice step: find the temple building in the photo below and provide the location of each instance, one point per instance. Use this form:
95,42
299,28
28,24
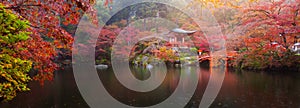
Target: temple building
179,38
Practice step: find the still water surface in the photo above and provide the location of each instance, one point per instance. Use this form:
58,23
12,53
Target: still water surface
240,89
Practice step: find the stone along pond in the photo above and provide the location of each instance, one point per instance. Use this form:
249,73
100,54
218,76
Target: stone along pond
239,89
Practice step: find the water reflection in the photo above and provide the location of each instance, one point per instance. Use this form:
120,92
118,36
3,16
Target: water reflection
239,89
159,94
260,89
129,97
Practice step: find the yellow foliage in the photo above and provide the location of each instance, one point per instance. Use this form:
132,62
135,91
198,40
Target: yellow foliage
219,3
163,49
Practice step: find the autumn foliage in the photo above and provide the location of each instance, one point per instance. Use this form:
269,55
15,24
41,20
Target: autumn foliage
268,33
47,36
32,34
13,67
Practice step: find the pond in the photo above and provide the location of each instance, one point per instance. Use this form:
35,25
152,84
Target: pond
239,89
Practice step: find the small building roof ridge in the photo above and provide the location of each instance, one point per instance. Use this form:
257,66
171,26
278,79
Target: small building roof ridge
179,30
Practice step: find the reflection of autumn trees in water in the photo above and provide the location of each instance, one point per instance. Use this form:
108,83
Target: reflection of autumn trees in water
260,89
124,95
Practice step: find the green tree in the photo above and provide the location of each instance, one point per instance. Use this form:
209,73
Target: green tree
13,70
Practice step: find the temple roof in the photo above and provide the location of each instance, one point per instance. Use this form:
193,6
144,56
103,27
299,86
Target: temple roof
179,30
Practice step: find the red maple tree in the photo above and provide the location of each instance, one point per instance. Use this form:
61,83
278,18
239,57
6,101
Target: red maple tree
48,36
269,30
